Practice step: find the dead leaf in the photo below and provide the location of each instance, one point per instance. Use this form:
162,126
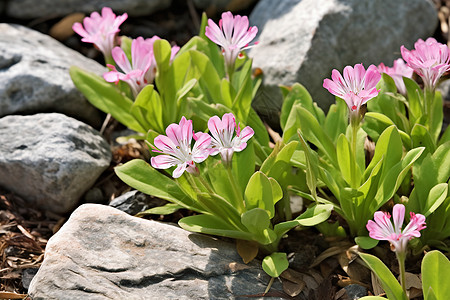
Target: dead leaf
376,285
247,250
8,295
293,288
63,29
234,267
293,276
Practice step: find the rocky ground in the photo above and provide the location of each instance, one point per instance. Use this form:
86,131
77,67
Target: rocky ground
41,111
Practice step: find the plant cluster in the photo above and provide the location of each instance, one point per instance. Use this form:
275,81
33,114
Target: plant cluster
191,103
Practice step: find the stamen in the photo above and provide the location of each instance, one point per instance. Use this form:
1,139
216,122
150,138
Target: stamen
354,107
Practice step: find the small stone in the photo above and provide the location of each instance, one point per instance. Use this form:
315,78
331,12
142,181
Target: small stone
132,202
94,195
104,253
50,160
34,72
27,276
355,291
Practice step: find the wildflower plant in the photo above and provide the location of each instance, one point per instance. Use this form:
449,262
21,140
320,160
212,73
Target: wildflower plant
231,198
152,84
210,150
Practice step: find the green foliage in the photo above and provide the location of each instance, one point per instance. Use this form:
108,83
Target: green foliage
435,282
275,264
389,283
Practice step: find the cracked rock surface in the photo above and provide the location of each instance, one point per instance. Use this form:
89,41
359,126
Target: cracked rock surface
104,253
34,75
50,159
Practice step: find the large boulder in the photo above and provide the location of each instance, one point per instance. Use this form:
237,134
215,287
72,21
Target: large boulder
28,9
34,75
50,159
303,40
104,253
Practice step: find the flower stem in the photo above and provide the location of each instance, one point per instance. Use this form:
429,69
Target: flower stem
401,255
428,104
354,137
206,184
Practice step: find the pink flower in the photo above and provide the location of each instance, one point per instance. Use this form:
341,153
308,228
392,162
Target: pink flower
397,72
176,147
100,30
223,141
142,70
356,87
233,34
429,59
383,230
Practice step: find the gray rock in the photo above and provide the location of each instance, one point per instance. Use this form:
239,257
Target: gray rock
132,202
27,276
103,253
34,72
50,159
303,40
27,9
355,291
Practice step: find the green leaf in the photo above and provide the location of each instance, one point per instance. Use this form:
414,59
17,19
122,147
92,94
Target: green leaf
389,146
261,134
435,277
346,160
372,298
336,121
366,242
415,94
312,163
258,193
389,283
394,177
255,220
277,164
445,136
141,176
311,130
210,224
106,97
379,122
312,216
147,109
243,100
297,94
421,138
167,209
275,264
435,198
162,52
437,116
277,192
209,79
244,165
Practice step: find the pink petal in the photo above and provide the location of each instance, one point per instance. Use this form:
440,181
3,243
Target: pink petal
215,127
165,144
227,24
121,59
246,133
179,170
164,161
398,215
